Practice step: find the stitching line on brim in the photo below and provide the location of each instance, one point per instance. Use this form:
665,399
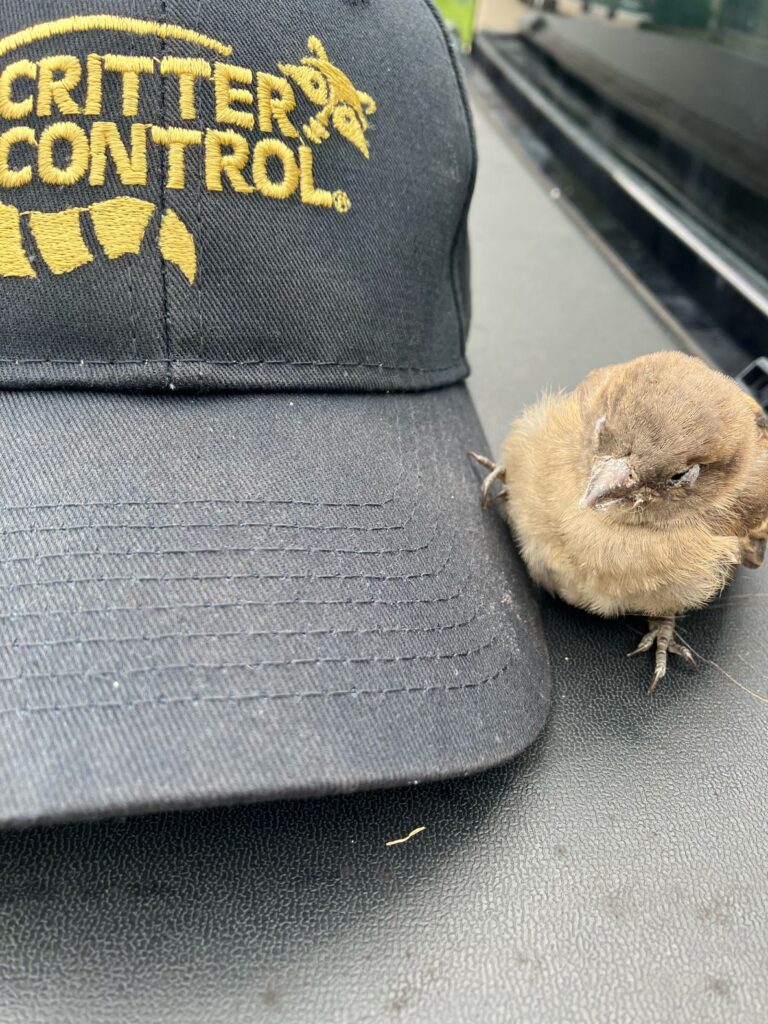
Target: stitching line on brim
233,525
383,659
428,574
221,526
227,605
232,634
338,602
186,503
293,662
247,502
239,698
240,576
232,550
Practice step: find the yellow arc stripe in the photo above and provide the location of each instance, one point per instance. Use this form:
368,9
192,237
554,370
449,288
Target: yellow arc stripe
109,23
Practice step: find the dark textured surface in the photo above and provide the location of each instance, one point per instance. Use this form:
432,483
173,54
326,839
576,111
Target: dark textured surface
615,872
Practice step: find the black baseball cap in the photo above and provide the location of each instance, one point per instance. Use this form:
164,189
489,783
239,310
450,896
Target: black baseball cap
243,555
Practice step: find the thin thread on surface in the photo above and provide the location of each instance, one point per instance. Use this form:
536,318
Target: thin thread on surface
407,839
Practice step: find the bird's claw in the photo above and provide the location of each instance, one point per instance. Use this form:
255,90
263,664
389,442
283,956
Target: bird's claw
661,632
683,652
645,644
487,498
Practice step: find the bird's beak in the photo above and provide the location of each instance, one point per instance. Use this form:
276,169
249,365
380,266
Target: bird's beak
611,480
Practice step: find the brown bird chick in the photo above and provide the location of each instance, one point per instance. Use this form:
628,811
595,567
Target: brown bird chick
639,492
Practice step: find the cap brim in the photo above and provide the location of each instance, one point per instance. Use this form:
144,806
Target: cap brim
246,597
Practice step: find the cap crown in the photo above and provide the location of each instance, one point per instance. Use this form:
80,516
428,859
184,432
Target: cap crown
221,193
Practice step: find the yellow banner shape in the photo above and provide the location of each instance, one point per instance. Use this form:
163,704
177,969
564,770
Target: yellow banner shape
121,224
178,246
13,259
60,240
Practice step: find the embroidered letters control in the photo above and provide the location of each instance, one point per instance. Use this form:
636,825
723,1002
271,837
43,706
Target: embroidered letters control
259,144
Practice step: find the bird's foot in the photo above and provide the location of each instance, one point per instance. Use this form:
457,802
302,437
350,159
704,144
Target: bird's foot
662,633
487,497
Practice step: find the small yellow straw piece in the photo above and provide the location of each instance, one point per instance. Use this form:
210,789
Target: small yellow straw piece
405,839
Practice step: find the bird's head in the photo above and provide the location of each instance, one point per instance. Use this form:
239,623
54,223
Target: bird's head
667,438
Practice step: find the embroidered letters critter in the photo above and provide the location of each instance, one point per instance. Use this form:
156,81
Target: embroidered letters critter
261,145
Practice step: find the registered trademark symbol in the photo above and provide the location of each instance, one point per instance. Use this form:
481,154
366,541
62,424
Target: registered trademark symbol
341,201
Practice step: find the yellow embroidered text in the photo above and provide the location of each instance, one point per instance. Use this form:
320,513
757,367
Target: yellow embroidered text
70,85
87,120
228,158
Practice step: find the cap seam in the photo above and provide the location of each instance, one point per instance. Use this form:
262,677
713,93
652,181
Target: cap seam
459,363
168,384
129,263
201,228
461,312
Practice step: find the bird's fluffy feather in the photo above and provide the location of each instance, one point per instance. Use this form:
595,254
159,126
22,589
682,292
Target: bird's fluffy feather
672,553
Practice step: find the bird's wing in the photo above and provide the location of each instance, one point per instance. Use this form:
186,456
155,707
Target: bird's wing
761,418
754,499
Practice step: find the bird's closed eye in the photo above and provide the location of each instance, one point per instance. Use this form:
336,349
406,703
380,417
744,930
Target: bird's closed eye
684,476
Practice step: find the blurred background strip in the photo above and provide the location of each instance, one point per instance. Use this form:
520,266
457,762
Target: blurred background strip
655,113
460,16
